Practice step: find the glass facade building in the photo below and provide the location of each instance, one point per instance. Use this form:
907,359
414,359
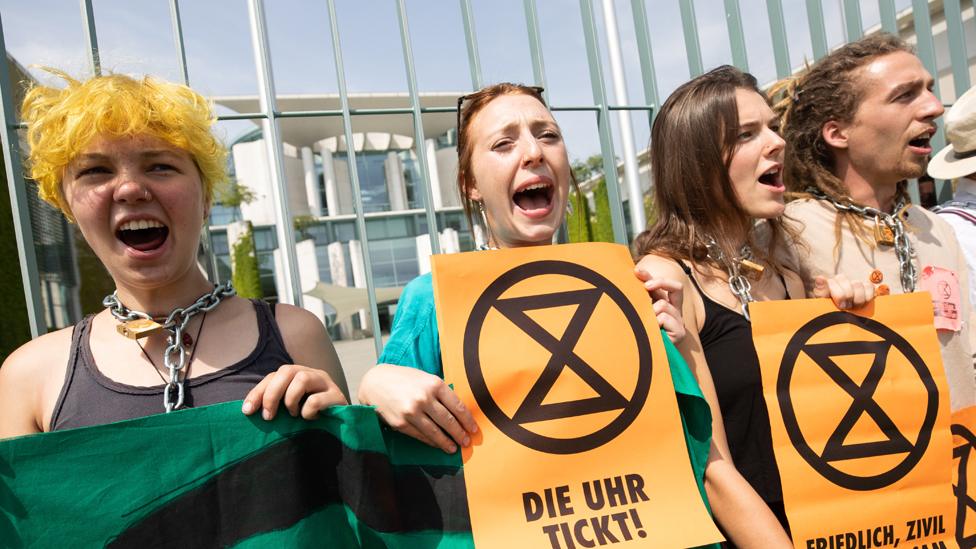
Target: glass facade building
340,116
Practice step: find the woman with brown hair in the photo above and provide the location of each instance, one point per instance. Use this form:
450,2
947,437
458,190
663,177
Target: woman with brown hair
134,162
717,163
514,169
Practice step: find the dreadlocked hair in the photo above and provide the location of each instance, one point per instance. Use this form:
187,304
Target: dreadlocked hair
693,140
822,92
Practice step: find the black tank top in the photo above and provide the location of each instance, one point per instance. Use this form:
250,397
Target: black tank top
726,339
90,398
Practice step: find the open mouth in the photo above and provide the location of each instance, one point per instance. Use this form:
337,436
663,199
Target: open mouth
536,197
922,143
144,235
772,178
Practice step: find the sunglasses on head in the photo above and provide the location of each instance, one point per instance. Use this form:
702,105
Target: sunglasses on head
460,101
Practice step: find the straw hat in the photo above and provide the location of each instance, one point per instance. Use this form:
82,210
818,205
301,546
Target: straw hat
959,158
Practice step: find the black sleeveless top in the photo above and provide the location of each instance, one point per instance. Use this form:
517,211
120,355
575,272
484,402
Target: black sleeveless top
726,339
90,398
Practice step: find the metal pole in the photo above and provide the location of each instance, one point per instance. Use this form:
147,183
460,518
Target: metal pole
275,152
957,46
88,16
213,272
354,173
736,37
174,13
638,219
852,20
889,19
535,45
777,27
644,53
818,32
690,27
926,52
603,122
419,141
19,205
474,59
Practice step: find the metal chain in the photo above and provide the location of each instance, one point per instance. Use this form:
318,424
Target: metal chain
903,246
174,357
738,282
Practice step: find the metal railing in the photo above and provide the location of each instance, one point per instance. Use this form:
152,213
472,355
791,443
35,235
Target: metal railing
269,115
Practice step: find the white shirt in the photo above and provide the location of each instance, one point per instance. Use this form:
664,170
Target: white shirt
964,201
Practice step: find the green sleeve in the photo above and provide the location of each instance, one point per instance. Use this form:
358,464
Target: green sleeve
414,340
696,416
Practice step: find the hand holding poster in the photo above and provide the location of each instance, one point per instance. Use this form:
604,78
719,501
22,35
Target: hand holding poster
557,353
859,414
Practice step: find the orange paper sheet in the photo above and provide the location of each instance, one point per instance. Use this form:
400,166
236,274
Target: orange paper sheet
556,351
859,412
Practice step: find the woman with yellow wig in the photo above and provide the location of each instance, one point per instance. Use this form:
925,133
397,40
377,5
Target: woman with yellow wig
133,163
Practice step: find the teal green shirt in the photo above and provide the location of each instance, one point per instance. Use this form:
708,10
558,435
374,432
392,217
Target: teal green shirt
414,342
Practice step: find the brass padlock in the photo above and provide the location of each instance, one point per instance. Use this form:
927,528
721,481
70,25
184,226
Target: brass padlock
751,269
139,328
883,233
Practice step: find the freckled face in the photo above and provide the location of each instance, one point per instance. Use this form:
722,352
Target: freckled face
139,203
756,169
521,170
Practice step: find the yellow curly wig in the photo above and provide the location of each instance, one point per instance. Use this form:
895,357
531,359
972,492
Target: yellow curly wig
61,123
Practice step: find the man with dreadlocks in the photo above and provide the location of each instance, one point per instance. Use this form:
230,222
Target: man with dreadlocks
857,125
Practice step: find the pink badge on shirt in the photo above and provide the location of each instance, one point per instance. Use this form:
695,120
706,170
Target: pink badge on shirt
943,285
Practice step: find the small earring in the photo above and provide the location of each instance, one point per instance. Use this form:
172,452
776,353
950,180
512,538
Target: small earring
484,222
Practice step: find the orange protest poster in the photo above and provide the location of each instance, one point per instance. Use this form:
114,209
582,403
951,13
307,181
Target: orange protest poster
557,353
964,475
859,412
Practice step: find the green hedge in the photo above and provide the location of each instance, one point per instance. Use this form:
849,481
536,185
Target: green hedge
246,278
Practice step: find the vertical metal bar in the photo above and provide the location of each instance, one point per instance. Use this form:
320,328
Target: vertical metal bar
889,19
354,172
689,26
737,40
535,45
644,54
19,205
777,28
852,20
818,32
88,16
174,12
213,271
419,141
603,122
638,220
471,39
925,45
926,52
273,146
957,46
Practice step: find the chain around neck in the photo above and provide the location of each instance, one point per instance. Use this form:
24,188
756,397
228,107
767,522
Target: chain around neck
904,251
738,282
174,357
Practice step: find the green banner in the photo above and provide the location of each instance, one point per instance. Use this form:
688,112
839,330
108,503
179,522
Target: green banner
213,477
